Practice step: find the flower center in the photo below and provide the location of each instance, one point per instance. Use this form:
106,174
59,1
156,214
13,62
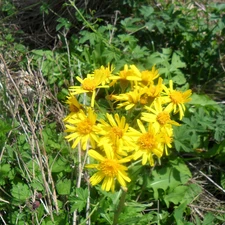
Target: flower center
163,118
89,84
144,99
84,127
176,97
116,131
147,141
109,167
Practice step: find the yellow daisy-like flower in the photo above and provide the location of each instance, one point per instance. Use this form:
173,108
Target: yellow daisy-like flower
131,98
115,136
83,129
74,106
90,84
104,72
143,95
127,75
149,143
154,91
176,99
109,170
158,116
131,74
167,135
148,76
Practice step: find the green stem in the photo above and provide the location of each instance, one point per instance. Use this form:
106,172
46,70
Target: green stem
98,107
110,103
141,28
120,206
134,163
94,209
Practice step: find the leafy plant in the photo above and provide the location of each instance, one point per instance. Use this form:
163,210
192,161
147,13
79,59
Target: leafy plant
44,180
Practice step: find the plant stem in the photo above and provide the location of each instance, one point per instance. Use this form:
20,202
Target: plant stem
120,206
75,219
68,55
110,103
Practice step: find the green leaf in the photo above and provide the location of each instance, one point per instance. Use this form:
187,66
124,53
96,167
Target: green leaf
139,52
179,78
63,23
20,48
5,173
20,192
176,196
176,61
150,25
37,185
181,194
167,52
204,100
134,215
78,199
178,213
63,187
59,165
44,53
4,170
106,217
208,219
222,180
192,192
180,165
88,36
130,24
166,178
146,11
181,138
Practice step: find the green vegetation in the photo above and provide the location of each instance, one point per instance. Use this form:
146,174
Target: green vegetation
42,179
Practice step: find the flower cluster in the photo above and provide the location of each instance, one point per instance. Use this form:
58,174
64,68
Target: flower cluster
139,125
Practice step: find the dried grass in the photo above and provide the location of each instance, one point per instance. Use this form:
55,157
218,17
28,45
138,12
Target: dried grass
27,103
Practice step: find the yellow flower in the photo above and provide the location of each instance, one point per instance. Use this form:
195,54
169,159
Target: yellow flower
176,99
148,76
167,135
83,129
149,143
109,170
151,92
105,73
90,84
115,136
131,99
158,116
132,74
127,75
154,91
74,106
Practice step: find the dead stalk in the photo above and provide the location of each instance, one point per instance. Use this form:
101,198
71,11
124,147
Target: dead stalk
35,139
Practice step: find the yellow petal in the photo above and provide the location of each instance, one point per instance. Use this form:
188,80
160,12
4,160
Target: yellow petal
96,155
141,126
96,178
